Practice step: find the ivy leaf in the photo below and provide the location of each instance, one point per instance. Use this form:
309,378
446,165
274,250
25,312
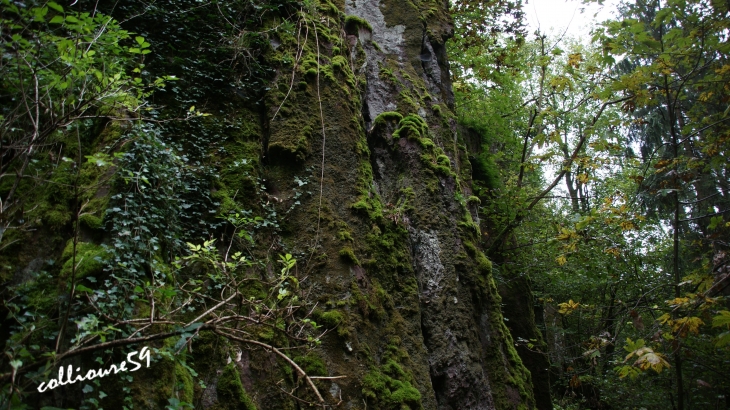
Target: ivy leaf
193,327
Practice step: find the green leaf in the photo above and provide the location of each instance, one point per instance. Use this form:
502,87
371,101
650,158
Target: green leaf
82,288
56,20
723,319
55,6
139,40
723,340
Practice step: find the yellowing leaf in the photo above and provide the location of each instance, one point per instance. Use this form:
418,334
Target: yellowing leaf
687,325
652,360
566,234
575,59
627,225
561,260
646,358
568,307
678,301
705,96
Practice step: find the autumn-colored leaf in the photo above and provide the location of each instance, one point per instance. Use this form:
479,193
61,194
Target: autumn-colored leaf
568,307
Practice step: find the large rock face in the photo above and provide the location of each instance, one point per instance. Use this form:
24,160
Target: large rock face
396,177
358,110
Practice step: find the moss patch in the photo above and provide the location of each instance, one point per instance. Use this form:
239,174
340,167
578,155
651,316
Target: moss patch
348,255
411,126
389,386
89,259
354,23
231,394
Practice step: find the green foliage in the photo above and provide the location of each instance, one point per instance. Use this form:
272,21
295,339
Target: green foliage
90,71
598,250
146,191
485,171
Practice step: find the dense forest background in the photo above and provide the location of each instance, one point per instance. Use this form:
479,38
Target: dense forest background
364,204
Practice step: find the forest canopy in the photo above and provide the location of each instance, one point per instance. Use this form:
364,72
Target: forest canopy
603,169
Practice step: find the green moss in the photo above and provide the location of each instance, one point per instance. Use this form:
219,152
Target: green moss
437,168
312,364
332,318
184,381
473,200
426,143
406,102
353,23
411,126
470,227
295,147
58,216
483,264
485,171
384,117
339,62
231,394
443,160
345,236
369,201
389,387
348,255
88,260
91,221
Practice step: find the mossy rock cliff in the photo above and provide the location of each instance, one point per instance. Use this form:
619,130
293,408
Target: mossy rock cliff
328,136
